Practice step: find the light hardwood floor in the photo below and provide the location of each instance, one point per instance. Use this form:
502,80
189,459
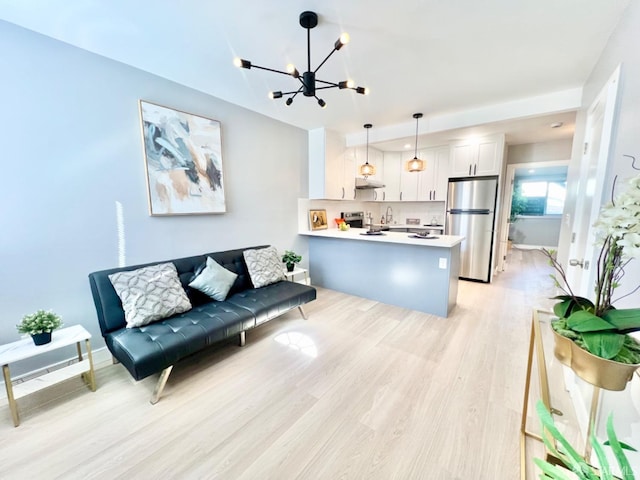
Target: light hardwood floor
372,392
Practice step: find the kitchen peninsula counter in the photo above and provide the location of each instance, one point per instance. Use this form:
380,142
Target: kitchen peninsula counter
395,268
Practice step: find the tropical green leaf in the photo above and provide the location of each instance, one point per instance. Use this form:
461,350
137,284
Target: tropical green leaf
603,344
584,321
572,459
616,448
551,471
624,319
605,470
569,304
622,445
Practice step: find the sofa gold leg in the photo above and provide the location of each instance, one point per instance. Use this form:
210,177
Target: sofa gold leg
162,381
304,315
242,338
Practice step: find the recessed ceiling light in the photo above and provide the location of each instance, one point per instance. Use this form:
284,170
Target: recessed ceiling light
556,124
407,145
531,170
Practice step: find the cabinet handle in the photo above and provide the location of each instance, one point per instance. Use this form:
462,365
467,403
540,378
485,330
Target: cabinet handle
384,196
400,196
375,195
343,193
469,169
474,168
354,193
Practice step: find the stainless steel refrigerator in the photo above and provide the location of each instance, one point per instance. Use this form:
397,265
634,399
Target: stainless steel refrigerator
471,206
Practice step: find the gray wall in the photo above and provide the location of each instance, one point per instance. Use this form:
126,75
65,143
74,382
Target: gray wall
539,152
536,231
72,148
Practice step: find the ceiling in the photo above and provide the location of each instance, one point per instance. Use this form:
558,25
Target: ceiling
426,56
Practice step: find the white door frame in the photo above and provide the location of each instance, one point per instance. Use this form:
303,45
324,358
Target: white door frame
507,199
592,175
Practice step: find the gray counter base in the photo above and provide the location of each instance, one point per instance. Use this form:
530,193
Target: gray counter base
398,274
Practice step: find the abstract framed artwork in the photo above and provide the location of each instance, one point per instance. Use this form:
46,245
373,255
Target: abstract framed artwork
318,219
183,162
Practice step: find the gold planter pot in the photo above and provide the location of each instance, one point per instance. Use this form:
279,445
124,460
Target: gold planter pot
600,372
562,348
597,371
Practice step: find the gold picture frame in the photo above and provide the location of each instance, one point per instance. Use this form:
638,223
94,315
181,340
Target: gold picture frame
183,161
318,219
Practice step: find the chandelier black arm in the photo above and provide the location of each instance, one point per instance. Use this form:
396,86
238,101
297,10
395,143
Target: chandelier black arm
325,59
333,84
271,70
294,92
324,88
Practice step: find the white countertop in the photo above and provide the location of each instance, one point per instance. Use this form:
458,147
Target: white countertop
419,226
446,241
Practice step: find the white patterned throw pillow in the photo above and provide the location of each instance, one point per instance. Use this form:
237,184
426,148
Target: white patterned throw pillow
150,293
214,280
264,266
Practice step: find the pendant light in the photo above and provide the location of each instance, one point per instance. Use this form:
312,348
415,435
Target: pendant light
415,164
367,169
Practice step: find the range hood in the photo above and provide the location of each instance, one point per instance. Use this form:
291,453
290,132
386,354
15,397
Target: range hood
364,184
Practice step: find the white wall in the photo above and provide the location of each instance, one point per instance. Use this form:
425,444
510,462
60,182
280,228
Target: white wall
71,148
625,141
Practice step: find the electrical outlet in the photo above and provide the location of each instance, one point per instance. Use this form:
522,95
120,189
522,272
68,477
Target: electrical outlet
442,263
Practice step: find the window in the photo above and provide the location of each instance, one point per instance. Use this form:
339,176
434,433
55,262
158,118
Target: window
540,197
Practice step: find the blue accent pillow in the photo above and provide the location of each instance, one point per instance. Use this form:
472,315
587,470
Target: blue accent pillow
214,280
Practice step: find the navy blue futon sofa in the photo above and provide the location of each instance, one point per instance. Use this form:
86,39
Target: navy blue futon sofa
157,347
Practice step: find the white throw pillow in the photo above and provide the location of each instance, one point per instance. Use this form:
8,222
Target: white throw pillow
264,266
150,293
214,280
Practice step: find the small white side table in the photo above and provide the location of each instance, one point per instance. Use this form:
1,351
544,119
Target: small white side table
298,271
25,348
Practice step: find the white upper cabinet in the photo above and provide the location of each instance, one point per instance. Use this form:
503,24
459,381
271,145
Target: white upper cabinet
434,178
332,167
475,158
392,167
408,180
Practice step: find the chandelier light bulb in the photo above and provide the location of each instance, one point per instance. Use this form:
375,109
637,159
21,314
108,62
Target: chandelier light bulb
292,70
237,62
345,38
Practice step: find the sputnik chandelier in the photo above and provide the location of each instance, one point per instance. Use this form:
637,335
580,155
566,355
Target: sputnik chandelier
308,80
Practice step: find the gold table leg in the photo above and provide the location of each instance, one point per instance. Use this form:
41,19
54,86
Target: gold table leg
12,401
90,376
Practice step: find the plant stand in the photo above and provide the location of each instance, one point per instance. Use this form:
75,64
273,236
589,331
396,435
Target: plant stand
537,348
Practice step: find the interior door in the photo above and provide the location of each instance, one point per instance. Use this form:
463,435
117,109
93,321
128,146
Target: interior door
593,167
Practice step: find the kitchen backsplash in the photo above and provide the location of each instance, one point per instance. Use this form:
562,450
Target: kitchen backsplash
401,211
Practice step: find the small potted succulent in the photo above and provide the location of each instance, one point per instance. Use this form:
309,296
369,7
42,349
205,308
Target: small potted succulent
290,259
40,325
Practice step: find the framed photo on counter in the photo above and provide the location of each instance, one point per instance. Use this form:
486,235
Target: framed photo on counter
318,219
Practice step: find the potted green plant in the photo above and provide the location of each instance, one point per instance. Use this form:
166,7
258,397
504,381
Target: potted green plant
568,455
598,346
518,203
40,325
290,258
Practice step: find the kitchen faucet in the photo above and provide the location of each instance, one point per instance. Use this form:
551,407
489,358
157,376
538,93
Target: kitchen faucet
388,216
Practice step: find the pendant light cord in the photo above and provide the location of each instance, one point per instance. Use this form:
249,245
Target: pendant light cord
415,155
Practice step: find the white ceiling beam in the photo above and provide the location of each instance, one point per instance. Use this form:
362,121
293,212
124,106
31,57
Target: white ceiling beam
556,102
